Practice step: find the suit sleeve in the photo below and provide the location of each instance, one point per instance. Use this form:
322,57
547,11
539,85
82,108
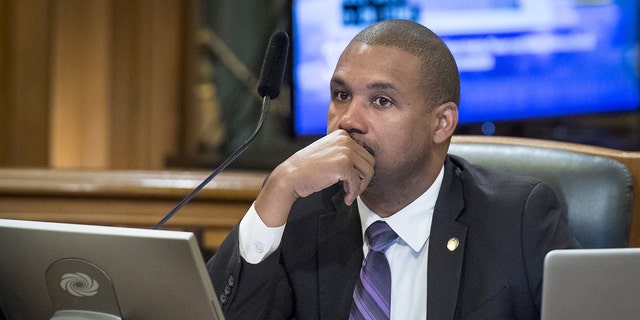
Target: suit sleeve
545,228
249,291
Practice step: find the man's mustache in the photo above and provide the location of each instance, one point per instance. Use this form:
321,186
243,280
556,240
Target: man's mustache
363,144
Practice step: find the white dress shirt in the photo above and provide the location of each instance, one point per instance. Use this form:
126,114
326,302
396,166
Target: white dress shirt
407,256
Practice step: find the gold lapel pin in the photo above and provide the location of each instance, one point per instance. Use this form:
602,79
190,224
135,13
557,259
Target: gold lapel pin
452,244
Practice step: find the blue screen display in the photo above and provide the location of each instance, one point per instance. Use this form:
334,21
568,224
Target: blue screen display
517,59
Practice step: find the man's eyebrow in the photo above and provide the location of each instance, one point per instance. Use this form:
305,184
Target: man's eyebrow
376,85
381,86
337,81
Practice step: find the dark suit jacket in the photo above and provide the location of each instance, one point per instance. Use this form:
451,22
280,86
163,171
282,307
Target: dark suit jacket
505,224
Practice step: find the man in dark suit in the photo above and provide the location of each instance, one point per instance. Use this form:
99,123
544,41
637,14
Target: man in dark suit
471,242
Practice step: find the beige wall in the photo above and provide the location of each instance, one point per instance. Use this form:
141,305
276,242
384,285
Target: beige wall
92,83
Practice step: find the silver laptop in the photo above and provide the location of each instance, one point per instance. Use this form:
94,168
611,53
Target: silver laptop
592,284
71,271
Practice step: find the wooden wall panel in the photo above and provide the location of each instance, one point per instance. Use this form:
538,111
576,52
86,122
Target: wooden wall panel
24,82
147,81
80,89
92,83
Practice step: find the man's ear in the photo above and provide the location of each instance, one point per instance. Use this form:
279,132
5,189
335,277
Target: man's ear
446,121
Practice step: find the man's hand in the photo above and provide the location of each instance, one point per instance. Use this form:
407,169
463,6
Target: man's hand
334,158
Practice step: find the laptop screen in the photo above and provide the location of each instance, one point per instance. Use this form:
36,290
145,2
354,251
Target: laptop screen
56,270
591,284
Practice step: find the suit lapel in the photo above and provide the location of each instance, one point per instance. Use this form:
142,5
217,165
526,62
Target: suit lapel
339,258
446,248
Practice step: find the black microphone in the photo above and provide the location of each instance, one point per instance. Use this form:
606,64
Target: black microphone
269,88
274,65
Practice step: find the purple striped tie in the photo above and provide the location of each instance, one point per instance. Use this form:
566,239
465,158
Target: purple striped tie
372,295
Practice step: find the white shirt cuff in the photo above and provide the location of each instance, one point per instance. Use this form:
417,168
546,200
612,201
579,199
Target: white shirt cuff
257,240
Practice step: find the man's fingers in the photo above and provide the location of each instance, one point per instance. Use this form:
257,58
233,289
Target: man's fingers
355,184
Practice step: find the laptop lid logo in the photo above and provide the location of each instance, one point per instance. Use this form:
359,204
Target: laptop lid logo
79,284
81,289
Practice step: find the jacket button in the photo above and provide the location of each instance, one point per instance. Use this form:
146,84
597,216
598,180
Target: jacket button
231,282
223,298
227,289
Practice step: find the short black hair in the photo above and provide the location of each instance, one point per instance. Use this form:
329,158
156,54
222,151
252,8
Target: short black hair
440,72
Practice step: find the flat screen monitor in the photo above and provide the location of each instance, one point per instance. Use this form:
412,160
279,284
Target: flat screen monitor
518,59
72,271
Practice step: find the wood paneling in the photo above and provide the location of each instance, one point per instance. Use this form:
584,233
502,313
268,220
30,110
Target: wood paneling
95,84
80,87
149,41
25,39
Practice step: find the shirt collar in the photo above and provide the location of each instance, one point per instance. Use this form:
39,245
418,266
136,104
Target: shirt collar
413,222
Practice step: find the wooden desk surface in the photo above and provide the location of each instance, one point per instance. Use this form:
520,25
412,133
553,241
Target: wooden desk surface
130,198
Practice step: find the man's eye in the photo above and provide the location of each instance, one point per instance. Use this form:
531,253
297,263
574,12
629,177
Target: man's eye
382,101
341,95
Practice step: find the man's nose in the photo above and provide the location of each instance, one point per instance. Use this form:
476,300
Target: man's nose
353,119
